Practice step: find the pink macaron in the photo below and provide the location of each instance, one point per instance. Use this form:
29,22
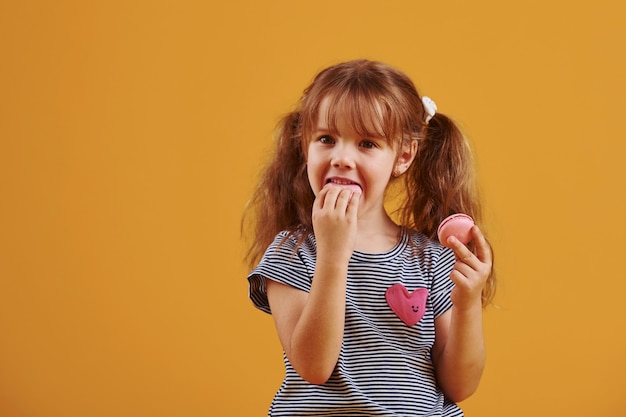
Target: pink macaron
458,225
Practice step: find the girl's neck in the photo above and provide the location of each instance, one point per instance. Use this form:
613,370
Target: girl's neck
377,237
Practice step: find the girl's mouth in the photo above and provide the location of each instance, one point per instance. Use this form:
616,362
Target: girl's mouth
344,183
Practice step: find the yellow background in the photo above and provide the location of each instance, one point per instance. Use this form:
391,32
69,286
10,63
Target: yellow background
131,134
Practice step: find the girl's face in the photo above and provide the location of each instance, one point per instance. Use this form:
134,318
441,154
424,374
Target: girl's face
346,159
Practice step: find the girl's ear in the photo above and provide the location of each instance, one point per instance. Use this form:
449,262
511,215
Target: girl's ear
406,157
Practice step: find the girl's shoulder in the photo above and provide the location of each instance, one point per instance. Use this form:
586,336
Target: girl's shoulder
294,241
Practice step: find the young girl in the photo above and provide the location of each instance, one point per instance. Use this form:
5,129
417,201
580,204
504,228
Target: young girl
325,251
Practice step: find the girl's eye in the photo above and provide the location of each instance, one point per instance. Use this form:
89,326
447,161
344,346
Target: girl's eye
327,140
368,144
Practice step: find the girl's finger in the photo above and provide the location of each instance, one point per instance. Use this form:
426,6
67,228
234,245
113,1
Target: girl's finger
461,252
343,199
483,249
353,204
326,198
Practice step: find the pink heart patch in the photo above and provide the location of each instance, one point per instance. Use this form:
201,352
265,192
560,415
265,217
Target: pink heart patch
410,307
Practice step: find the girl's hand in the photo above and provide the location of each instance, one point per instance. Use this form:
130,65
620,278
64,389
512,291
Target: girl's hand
470,271
335,222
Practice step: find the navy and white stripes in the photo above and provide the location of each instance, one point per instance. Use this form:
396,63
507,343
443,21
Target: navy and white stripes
385,367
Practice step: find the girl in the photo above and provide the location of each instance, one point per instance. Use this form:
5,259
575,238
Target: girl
325,251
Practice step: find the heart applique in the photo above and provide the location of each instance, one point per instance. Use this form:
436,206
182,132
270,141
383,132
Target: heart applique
410,307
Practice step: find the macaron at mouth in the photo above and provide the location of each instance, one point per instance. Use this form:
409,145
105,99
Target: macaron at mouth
344,183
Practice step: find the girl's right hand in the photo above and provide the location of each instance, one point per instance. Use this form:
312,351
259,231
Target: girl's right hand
335,222
311,324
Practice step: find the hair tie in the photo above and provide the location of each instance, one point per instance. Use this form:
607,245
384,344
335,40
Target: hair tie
430,107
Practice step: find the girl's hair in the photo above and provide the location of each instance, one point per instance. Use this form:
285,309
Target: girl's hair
379,101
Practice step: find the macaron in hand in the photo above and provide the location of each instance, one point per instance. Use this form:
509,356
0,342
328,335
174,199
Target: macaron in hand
458,225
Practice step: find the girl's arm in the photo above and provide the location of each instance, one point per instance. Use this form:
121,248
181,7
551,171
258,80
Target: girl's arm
310,325
459,351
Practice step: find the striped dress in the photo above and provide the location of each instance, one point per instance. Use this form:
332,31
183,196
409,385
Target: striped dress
385,367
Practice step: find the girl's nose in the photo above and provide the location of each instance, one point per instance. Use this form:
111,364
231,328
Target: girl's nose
342,158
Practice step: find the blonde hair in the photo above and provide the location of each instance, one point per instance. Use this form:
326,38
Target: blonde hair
378,101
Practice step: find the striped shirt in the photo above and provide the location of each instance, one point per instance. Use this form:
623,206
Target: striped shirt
385,366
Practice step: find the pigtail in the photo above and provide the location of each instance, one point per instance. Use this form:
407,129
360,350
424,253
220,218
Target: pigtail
442,182
283,198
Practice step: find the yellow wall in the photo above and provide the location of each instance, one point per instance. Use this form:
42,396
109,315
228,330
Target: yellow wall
130,137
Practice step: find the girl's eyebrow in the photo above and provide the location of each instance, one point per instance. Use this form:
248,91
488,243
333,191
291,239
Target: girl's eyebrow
320,129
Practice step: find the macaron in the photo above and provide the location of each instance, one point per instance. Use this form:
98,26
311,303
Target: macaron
458,225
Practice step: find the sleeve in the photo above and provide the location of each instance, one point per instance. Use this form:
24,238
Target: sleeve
442,284
282,262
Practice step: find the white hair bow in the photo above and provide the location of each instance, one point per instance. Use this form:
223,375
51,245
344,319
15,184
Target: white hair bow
430,107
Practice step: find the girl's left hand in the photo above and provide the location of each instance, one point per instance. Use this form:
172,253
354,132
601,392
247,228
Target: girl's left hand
470,271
